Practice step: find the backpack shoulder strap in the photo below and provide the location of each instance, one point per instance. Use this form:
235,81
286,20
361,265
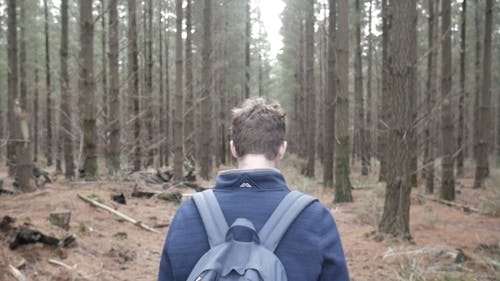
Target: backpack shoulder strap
282,217
212,216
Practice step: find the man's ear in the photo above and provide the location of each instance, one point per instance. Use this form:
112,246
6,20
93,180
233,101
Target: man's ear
282,150
233,149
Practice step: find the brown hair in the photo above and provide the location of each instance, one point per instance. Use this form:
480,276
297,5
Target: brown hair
258,127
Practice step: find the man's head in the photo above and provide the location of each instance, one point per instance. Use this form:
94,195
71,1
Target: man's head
258,128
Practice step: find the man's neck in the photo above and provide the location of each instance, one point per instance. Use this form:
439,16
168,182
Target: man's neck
256,161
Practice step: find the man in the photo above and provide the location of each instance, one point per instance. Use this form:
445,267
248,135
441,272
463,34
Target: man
311,248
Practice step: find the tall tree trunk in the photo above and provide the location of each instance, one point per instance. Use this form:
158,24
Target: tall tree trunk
35,111
161,92
12,84
149,85
179,111
248,26
429,134
189,108
396,214
477,76
330,97
48,150
86,88
343,185
206,78
22,56
104,110
448,179
166,104
461,103
311,96
65,132
482,165
384,110
113,151
369,101
360,136
133,84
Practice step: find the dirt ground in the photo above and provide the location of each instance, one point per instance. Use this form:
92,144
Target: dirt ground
449,244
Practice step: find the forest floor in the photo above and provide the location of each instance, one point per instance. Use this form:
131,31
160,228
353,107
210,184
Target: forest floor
449,244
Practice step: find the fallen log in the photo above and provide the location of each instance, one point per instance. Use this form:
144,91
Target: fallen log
117,213
26,235
461,207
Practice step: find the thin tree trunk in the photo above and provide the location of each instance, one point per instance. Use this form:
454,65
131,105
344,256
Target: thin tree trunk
448,180
167,130
179,111
429,150
35,111
343,185
22,56
330,97
206,142
311,96
369,101
12,85
461,103
48,150
396,214
149,85
248,27
133,84
113,151
104,139
189,108
477,77
65,132
384,110
161,92
482,165
358,91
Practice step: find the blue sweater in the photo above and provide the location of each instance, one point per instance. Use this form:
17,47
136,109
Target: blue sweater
309,251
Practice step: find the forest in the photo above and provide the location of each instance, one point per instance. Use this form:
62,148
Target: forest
113,112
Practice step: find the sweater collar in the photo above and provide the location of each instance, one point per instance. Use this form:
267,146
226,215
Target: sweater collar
253,179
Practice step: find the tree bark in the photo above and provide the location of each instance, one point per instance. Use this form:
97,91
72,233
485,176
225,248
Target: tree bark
396,214
482,165
133,84
113,151
343,185
104,110
330,97
35,111
461,103
384,110
360,137
65,132
87,88
179,111
48,150
429,133
248,34
12,84
310,91
161,91
369,101
189,97
206,142
477,77
447,127
149,101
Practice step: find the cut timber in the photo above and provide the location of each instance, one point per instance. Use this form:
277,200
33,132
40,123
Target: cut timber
16,273
115,212
60,219
461,207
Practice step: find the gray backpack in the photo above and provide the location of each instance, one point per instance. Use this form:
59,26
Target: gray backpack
229,259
